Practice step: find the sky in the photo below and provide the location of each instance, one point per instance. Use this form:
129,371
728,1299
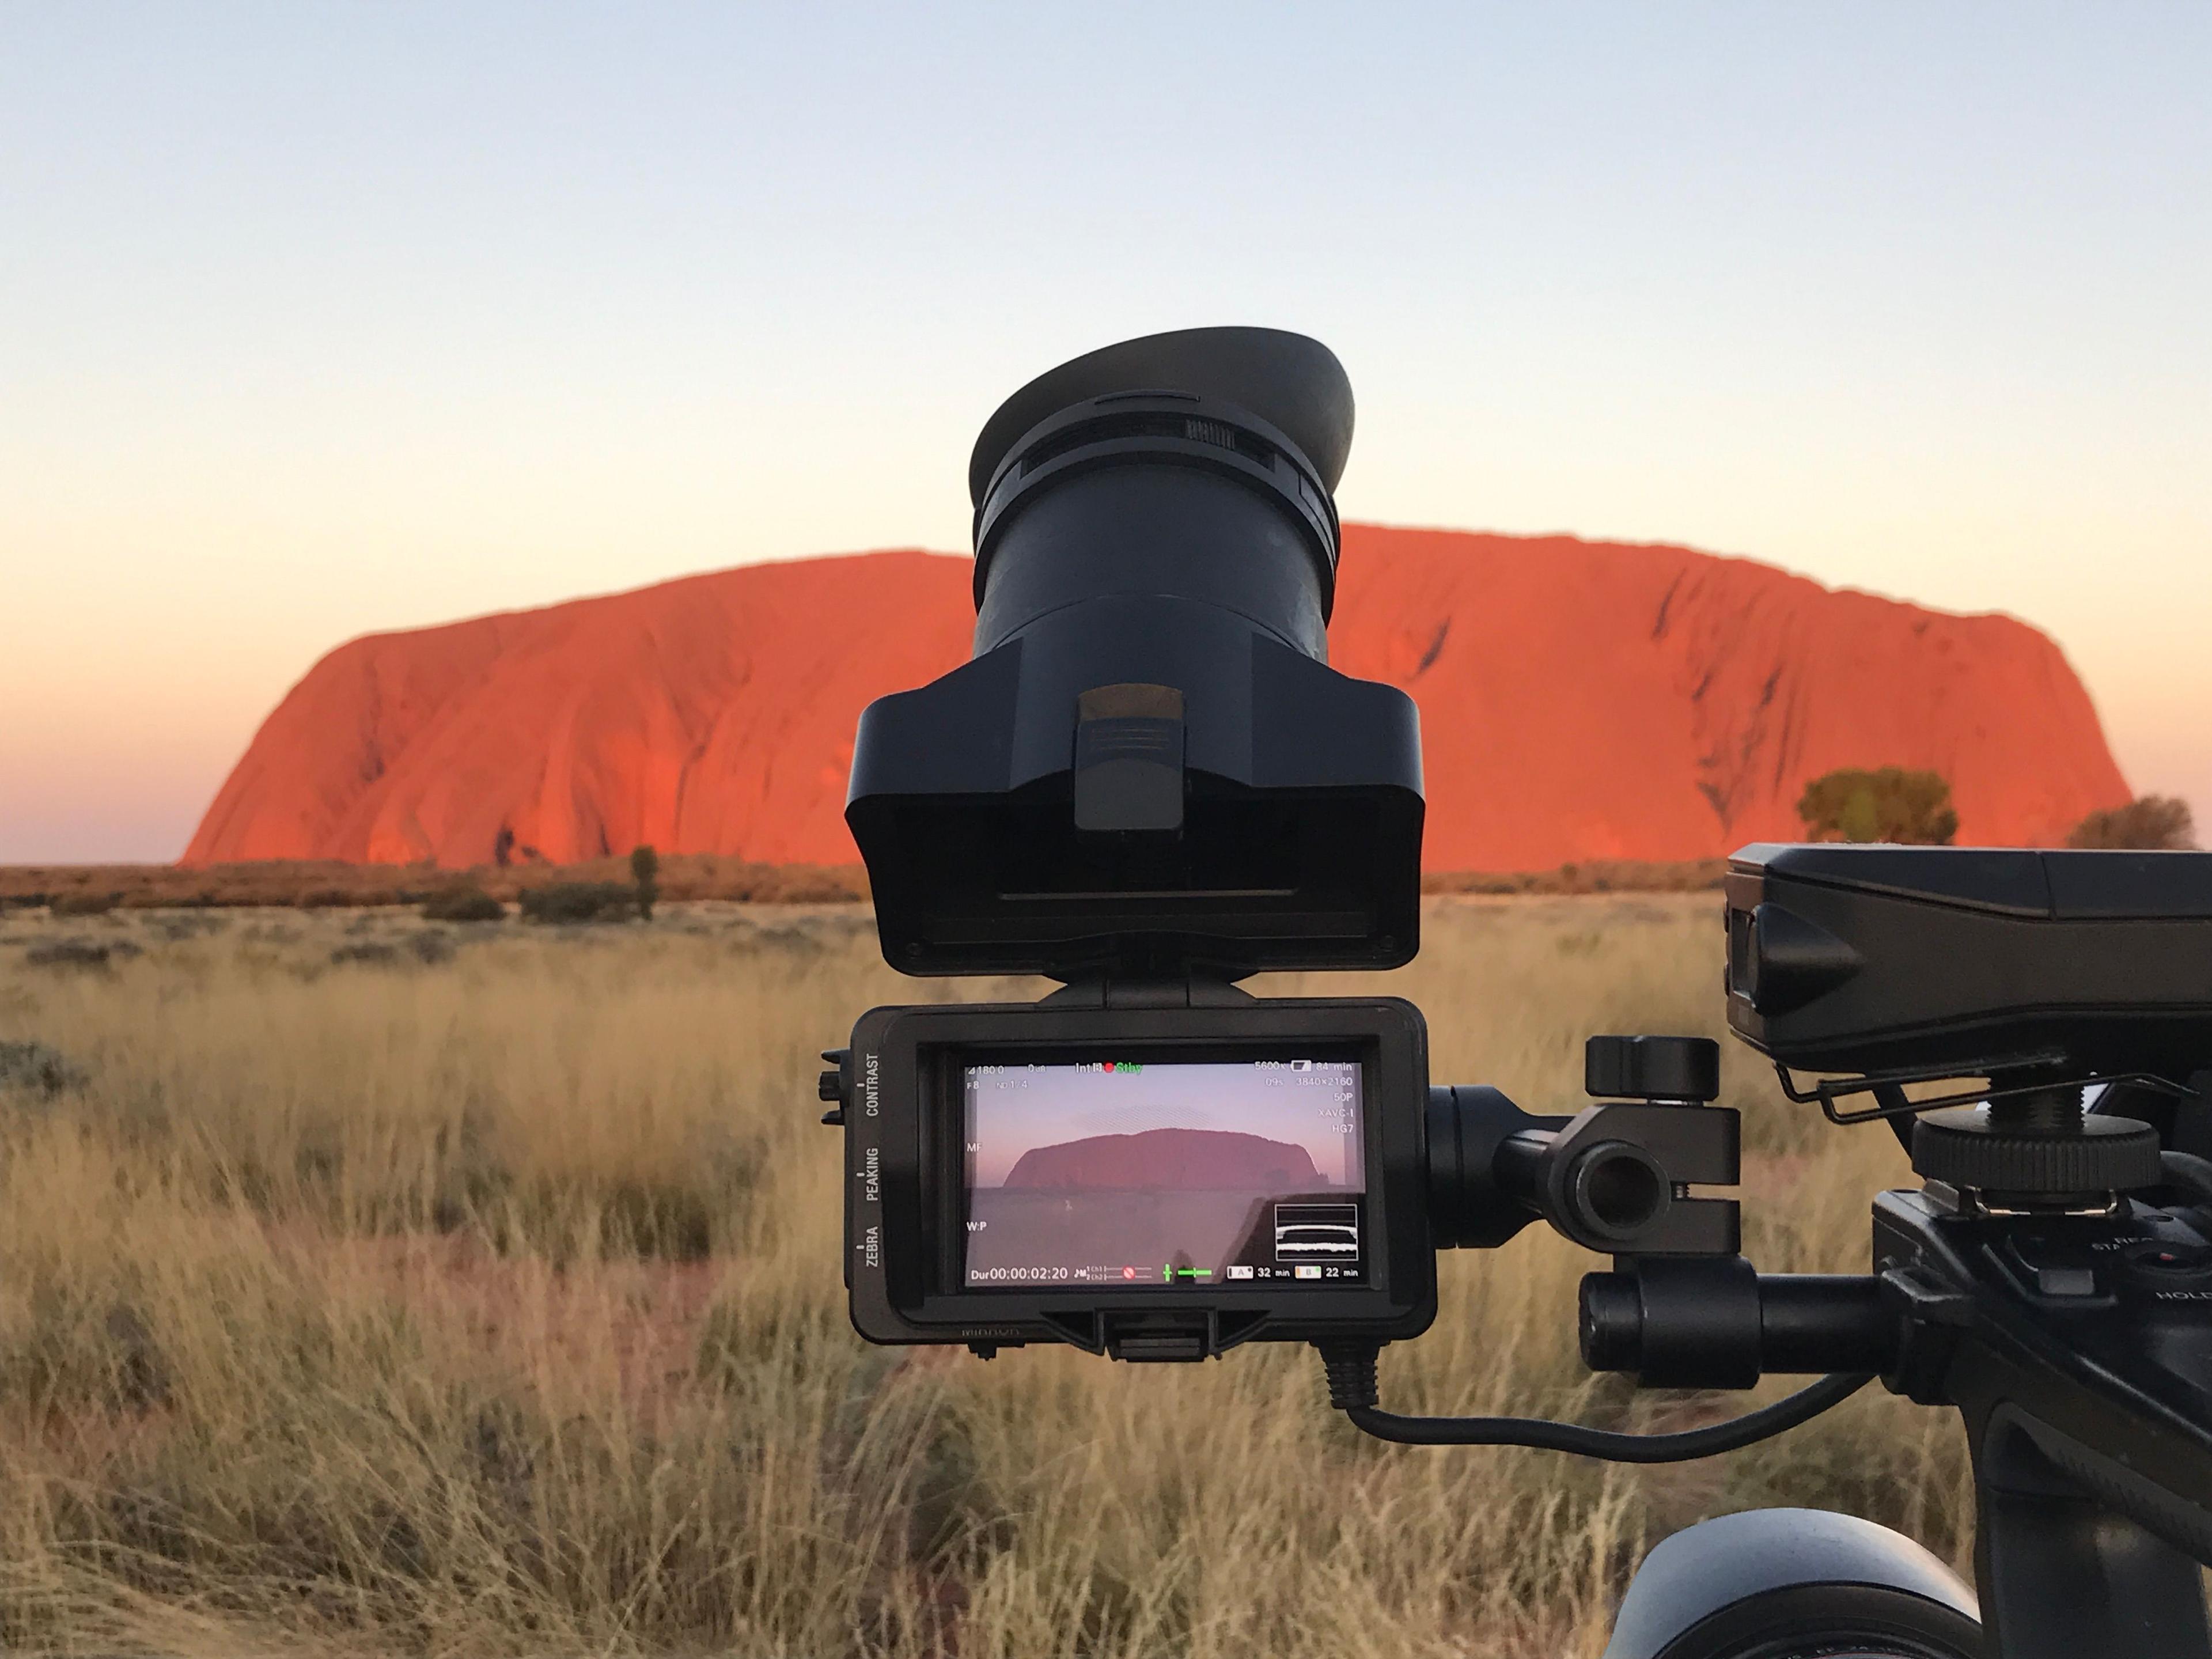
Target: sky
321,320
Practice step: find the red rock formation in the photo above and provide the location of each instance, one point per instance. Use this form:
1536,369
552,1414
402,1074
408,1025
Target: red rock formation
1578,700
716,712
1590,700
1170,1160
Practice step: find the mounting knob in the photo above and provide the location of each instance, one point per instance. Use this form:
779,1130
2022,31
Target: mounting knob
1652,1068
1972,1146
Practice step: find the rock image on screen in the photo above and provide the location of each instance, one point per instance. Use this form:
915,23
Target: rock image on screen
1116,1174
1166,1160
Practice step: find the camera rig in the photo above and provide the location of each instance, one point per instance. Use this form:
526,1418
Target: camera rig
1149,784
2050,1280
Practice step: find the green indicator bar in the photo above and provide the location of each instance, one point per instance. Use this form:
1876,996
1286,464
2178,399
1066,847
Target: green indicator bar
1195,1272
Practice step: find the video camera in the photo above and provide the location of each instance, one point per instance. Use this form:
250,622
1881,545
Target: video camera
1148,784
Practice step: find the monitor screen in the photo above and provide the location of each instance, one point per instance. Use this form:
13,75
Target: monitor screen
1148,1176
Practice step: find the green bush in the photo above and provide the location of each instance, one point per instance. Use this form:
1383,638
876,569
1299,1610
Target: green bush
2154,822
579,901
1892,805
645,871
83,904
464,902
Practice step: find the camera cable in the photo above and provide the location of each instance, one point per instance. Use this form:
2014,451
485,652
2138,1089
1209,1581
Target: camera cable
1352,1389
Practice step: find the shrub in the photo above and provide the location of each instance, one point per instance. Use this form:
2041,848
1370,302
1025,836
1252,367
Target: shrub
36,1068
79,953
83,904
645,871
799,883
579,901
464,902
1892,804
432,946
368,953
2155,823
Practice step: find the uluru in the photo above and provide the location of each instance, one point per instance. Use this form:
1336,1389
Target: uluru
1169,1160
1579,700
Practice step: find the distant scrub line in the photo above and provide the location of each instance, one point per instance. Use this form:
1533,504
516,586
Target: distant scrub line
546,890
314,884
1887,804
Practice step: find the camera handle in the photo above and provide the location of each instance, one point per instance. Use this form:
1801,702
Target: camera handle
2062,1573
2077,1555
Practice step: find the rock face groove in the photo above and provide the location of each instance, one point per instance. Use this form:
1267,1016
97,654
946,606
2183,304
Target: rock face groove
1579,700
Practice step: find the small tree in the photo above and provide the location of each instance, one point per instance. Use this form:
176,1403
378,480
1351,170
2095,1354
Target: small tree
2155,823
1892,804
645,871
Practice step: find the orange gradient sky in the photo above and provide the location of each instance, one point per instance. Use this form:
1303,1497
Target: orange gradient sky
323,320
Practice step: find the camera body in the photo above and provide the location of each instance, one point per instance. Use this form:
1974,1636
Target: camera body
1958,961
1156,1179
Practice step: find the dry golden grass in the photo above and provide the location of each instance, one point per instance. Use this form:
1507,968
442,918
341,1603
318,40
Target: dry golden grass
481,1295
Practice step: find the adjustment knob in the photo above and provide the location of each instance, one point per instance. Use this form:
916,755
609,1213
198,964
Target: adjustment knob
1652,1068
1968,1146
831,1086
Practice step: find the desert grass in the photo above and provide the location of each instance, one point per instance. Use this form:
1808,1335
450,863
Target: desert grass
371,1287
